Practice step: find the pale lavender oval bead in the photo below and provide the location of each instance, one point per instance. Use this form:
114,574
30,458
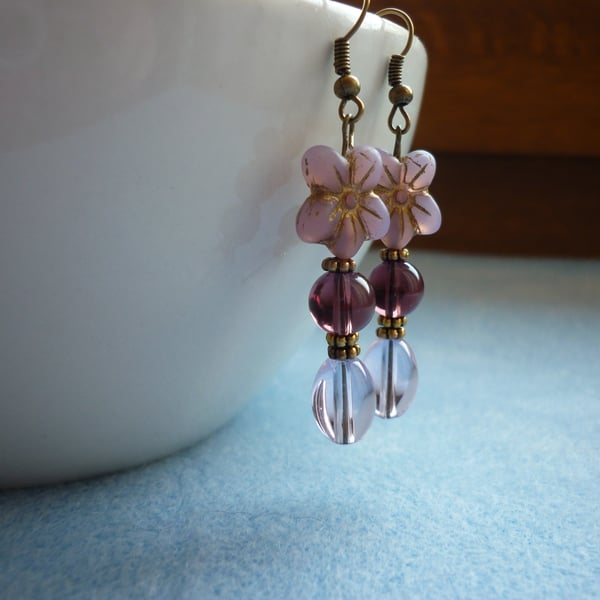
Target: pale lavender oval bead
393,367
343,400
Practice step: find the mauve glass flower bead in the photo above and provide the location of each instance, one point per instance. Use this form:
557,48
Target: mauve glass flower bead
393,367
342,210
343,400
404,188
341,303
398,288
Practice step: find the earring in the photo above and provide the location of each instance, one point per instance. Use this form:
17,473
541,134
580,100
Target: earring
341,212
398,285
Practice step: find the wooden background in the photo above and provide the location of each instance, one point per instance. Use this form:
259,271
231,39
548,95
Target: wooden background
512,113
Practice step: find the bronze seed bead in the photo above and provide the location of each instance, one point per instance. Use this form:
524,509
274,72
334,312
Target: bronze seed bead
338,265
399,322
390,333
352,339
384,321
353,351
346,87
390,254
400,95
340,341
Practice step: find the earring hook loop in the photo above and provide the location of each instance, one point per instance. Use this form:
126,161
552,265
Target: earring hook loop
400,14
361,18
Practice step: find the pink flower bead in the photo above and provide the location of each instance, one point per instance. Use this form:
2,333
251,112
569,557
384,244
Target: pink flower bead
404,187
341,303
342,210
398,288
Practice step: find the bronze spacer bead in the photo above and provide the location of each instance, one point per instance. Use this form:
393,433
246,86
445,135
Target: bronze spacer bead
340,341
352,339
333,264
390,333
353,351
400,95
343,353
405,253
398,322
390,254
384,321
346,87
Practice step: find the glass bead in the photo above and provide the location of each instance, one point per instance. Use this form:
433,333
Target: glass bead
341,303
343,400
393,367
398,288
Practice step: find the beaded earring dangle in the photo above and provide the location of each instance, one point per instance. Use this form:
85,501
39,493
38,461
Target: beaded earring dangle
398,285
341,212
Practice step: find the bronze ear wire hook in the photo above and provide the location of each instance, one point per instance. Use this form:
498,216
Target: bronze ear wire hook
363,13
400,95
347,86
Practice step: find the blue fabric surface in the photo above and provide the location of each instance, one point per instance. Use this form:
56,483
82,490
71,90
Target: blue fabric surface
487,488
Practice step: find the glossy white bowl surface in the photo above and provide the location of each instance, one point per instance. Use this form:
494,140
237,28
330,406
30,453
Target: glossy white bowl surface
151,280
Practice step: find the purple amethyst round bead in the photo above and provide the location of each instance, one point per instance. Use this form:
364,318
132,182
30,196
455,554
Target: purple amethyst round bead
398,288
341,303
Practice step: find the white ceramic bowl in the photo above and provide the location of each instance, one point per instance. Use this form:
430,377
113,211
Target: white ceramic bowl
149,178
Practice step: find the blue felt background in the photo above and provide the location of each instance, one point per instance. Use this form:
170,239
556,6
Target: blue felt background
487,488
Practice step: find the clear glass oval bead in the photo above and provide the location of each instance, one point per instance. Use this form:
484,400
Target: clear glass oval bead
393,367
343,400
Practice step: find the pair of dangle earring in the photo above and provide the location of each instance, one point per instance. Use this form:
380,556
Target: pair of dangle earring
353,198
398,285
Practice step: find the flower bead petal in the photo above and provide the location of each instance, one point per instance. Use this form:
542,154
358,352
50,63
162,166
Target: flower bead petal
427,213
400,231
365,167
375,217
393,170
322,166
348,239
420,169
315,222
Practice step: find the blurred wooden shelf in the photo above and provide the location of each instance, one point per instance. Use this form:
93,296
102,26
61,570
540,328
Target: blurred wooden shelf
516,205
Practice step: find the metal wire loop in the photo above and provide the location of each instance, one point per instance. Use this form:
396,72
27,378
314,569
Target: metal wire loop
347,134
360,108
397,129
